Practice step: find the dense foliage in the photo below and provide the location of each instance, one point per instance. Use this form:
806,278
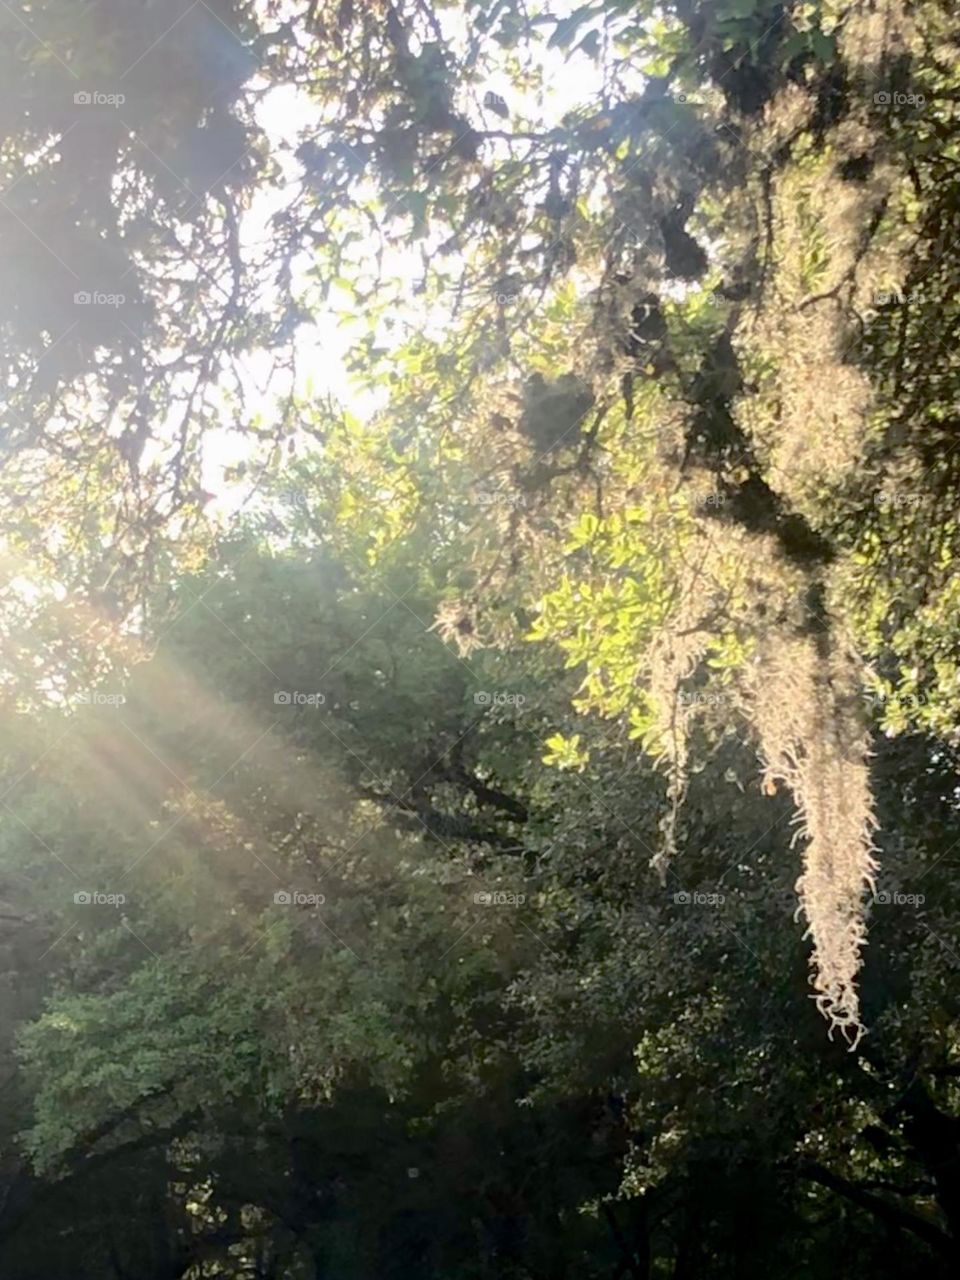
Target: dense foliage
512,831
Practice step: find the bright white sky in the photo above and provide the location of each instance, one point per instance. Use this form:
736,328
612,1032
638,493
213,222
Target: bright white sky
567,81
